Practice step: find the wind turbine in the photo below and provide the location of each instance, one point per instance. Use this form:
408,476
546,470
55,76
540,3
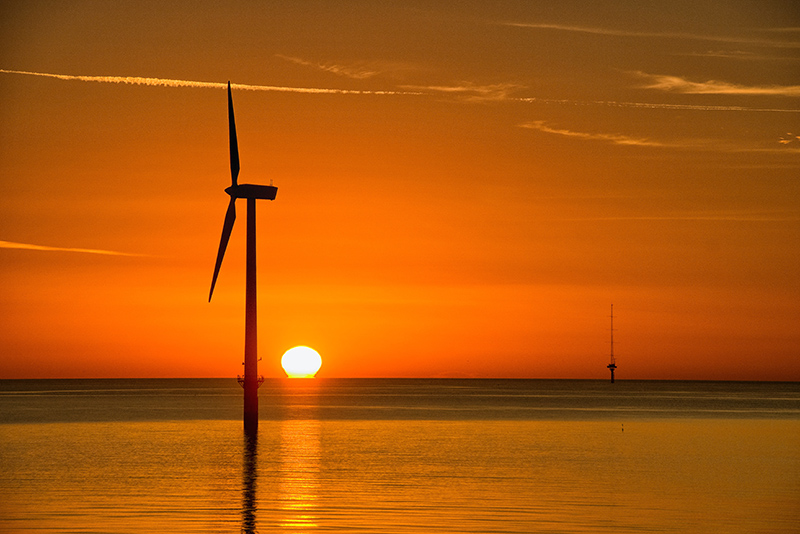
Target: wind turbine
250,382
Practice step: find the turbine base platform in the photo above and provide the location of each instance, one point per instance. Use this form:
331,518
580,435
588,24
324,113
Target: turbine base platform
240,379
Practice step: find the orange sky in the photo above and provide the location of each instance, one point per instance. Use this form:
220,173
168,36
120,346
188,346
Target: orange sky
475,186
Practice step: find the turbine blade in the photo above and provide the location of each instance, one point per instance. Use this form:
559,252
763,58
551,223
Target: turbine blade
230,217
234,145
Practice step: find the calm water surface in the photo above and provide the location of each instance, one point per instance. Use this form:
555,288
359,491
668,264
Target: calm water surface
400,456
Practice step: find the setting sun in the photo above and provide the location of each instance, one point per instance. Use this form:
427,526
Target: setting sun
441,212
301,362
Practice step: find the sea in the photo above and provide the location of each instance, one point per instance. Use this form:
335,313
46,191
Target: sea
400,456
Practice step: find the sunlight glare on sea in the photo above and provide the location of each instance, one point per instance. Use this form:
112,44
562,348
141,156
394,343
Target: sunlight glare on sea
327,461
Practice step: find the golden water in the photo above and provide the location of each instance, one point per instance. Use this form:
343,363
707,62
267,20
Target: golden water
302,474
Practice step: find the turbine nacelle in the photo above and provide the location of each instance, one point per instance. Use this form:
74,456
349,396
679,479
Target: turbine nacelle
265,192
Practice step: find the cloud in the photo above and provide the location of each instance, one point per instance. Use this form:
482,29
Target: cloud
677,84
721,217
651,105
470,91
663,35
360,71
166,82
617,139
467,91
685,144
27,246
741,55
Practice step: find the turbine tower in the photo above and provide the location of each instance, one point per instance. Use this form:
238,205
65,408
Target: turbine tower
251,381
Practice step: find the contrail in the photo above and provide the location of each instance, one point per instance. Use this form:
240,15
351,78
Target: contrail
709,218
646,105
166,82
663,35
27,246
502,93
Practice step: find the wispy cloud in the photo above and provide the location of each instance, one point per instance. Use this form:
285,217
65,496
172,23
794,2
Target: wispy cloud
651,105
473,92
467,91
166,82
664,35
27,246
470,91
705,215
694,217
742,55
356,71
677,84
617,139
684,144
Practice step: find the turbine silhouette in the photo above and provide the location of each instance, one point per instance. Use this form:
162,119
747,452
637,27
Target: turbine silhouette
251,381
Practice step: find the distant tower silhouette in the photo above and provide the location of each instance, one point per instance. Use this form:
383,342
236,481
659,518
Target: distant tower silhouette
251,380
613,364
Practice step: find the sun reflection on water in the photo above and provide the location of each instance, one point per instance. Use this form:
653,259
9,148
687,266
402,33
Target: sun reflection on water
299,472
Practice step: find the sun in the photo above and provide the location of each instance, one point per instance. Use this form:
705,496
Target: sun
301,362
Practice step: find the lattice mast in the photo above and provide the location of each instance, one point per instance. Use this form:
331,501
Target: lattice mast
613,365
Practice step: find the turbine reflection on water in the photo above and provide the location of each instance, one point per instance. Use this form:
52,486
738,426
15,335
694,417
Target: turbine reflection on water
249,469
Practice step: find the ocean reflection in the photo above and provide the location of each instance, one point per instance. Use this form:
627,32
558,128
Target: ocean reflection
249,467
389,457
299,460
